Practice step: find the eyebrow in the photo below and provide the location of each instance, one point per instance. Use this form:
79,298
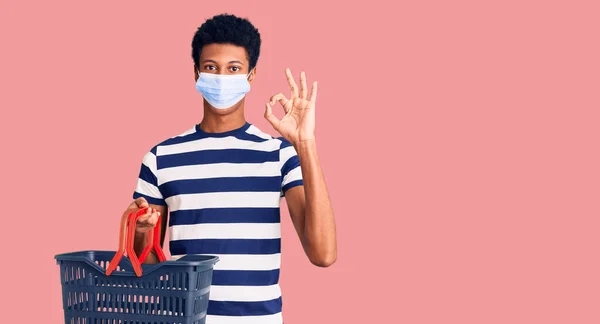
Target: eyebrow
213,61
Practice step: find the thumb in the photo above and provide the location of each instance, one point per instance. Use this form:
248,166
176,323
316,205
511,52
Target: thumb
273,120
141,202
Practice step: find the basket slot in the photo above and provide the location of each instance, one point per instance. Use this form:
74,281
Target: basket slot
168,304
121,303
179,302
198,281
152,304
178,307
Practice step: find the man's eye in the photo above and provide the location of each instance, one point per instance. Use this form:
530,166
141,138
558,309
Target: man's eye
235,68
210,67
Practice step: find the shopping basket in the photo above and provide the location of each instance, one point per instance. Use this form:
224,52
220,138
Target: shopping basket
101,287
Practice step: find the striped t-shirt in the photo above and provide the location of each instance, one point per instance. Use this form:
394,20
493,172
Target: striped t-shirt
223,191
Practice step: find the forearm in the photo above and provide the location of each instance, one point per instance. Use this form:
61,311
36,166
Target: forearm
319,224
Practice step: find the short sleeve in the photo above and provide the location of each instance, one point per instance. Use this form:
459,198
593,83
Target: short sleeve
291,173
147,183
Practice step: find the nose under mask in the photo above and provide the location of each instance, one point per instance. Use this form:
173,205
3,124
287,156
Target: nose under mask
223,91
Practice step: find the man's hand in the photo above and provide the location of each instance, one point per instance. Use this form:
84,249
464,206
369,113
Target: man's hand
146,222
298,124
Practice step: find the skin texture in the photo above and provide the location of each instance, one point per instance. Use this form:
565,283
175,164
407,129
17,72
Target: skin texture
309,205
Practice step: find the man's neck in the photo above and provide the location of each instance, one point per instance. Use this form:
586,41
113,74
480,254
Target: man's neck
214,123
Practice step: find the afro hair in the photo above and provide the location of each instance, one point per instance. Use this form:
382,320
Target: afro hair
227,29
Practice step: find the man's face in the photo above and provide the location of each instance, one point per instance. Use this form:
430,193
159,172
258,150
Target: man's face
224,59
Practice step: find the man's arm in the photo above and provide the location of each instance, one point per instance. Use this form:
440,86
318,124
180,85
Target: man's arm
310,209
147,194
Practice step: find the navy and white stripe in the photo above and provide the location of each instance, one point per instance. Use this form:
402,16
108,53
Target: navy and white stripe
223,192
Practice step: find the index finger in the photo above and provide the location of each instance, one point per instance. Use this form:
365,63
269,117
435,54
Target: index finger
148,215
292,83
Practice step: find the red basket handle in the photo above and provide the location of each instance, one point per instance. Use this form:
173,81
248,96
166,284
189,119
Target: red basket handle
121,249
155,243
126,243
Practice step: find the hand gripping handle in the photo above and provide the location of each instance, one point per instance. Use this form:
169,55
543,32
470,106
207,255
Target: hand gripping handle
126,243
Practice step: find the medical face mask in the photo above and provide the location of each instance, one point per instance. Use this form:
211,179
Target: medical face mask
223,91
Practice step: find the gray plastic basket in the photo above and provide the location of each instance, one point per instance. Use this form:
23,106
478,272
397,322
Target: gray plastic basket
170,292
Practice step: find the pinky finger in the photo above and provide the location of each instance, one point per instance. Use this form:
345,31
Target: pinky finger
313,92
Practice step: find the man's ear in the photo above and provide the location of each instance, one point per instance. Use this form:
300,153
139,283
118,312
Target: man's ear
196,73
252,75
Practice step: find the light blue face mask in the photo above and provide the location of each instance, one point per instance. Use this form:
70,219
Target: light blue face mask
221,90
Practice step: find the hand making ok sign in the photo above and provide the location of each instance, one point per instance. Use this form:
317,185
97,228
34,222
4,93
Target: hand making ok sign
298,124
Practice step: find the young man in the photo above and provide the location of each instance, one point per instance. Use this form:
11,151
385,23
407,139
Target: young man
223,179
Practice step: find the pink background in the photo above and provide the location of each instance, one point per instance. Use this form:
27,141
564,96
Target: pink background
460,143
